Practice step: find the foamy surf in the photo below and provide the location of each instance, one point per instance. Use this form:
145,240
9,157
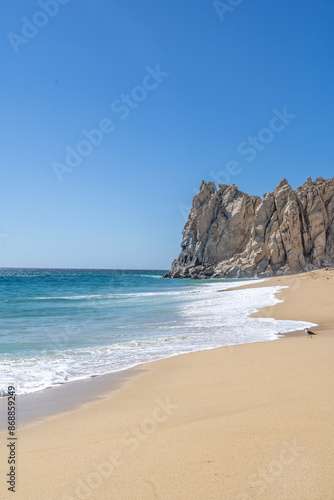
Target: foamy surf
127,329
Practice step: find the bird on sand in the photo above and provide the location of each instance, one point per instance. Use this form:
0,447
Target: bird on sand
309,332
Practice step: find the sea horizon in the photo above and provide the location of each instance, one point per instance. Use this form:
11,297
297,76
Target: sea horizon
87,268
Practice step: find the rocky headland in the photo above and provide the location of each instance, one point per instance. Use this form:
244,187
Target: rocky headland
230,234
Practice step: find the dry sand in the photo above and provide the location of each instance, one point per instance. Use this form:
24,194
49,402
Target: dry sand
250,421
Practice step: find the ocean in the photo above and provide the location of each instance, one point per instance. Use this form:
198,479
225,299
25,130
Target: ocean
61,325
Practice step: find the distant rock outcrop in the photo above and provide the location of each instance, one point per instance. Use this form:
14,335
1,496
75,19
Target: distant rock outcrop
231,234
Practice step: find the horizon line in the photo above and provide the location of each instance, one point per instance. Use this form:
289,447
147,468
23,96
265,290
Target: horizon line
85,268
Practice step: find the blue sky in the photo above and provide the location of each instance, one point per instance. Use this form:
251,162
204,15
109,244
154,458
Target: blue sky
202,89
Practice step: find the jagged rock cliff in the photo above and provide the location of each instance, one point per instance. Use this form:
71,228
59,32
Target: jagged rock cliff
232,234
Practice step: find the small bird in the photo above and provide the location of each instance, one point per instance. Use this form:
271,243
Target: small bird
310,333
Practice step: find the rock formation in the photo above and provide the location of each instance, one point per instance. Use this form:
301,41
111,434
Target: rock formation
231,234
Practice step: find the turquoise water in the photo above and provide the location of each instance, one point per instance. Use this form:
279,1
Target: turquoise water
62,325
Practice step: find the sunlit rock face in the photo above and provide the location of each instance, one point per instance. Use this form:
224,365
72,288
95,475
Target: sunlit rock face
230,234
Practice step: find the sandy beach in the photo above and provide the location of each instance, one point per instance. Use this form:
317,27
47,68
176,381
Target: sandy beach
243,422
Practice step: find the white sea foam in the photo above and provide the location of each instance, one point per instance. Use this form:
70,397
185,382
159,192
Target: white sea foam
208,319
114,295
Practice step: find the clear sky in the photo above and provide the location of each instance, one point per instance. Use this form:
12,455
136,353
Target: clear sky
237,92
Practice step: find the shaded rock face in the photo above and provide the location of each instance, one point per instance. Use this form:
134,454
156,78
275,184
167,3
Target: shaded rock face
231,234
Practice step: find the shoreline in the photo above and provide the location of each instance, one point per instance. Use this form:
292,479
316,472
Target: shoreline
68,396
111,355
211,420
252,283
37,406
